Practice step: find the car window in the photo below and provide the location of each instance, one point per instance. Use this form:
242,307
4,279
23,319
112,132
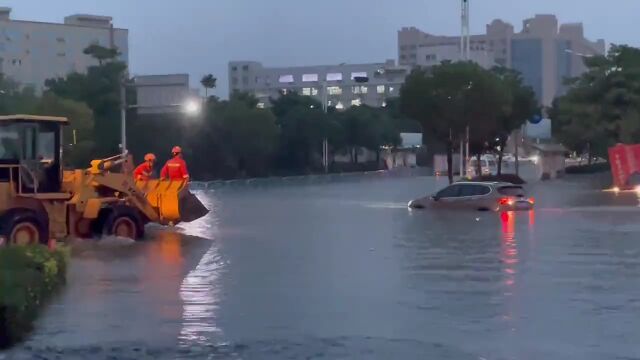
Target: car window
492,163
511,191
450,191
474,190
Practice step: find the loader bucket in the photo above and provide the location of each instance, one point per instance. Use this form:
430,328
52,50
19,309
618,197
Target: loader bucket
173,201
190,207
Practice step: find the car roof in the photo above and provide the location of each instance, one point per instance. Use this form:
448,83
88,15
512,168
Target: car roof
493,183
34,118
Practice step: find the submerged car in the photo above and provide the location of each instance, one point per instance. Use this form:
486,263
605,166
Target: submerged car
482,196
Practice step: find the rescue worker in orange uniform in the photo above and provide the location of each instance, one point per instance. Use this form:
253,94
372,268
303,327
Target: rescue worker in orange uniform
176,168
144,171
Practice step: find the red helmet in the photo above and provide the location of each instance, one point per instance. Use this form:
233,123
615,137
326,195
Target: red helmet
149,157
176,150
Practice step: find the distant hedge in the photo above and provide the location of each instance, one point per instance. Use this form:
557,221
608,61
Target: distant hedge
588,169
29,276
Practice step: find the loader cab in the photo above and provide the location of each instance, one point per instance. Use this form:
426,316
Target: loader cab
30,155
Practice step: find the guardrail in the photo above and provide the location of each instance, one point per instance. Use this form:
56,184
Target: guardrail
306,179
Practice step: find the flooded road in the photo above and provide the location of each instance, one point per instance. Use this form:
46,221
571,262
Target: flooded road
343,269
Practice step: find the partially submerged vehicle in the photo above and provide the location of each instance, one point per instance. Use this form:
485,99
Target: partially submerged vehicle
481,196
40,201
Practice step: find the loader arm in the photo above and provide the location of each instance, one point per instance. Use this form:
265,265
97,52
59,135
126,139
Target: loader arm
124,185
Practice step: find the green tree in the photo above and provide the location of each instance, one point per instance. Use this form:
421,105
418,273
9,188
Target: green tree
248,135
601,106
303,126
208,82
99,88
449,98
78,141
101,53
368,128
522,107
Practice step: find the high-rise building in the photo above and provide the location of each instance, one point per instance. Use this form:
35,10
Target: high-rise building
345,84
543,51
32,52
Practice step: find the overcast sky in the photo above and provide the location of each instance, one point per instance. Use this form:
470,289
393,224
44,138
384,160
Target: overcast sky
201,36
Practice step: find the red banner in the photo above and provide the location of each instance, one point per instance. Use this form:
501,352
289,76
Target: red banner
625,161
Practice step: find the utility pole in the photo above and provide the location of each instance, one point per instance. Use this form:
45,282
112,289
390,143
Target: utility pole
465,35
465,48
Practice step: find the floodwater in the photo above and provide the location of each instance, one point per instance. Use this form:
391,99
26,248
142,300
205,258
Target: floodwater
343,270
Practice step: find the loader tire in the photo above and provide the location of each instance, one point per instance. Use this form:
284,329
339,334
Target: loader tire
124,221
23,228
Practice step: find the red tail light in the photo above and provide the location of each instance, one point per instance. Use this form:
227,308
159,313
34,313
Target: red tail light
505,201
532,200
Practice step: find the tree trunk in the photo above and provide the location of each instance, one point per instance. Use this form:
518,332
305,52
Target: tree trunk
206,92
479,164
450,161
501,154
355,154
517,164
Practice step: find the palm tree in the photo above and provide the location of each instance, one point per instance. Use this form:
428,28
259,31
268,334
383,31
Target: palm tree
208,82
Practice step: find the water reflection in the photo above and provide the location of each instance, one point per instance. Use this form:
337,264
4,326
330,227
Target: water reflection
200,289
509,248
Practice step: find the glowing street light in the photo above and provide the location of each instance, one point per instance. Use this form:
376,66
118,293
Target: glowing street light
192,107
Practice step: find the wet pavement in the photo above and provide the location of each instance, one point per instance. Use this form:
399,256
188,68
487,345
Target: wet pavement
299,270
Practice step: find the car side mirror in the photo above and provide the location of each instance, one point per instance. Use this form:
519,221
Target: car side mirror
435,197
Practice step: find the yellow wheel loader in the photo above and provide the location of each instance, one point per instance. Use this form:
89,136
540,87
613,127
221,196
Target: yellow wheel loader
40,201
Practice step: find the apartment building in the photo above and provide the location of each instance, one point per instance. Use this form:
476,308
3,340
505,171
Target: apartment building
345,84
32,52
544,51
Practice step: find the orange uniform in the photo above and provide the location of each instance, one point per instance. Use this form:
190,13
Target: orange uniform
175,169
143,172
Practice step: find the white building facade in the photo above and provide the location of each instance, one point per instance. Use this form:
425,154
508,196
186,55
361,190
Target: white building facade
544,51
163,94
346,84
32,52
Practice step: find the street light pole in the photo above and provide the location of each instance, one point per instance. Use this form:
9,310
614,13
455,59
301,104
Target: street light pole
123,116
325,142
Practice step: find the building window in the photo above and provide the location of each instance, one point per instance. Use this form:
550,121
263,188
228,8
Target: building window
260,105
413,56
306,91
234,80
329,103
314,91
234,68
286,78
431,57
356,102
309,77
60,40
334,90
360,74
27,36
284,92
403,57
62,54
245,67
245,80
391,89
360,89
339,106
334,76
380,89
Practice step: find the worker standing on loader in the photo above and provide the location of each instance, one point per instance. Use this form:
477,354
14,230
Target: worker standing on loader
176,168
144,171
